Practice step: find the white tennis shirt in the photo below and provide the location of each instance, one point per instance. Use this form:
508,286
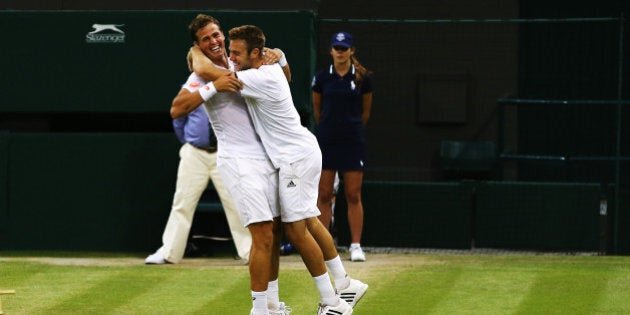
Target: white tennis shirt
274,115
231,122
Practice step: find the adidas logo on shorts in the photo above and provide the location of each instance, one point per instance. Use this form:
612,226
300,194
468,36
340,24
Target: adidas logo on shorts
291,184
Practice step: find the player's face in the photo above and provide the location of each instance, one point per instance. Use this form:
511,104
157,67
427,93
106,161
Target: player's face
341,54
211,41
239,55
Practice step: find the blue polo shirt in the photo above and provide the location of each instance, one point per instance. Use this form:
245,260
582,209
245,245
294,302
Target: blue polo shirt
194,128
342,106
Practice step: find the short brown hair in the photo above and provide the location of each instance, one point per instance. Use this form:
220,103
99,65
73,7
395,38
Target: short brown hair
251,34
199,22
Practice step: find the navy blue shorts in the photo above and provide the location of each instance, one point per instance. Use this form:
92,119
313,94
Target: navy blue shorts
343,157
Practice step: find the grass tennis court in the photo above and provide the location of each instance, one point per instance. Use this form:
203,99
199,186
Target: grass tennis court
74,283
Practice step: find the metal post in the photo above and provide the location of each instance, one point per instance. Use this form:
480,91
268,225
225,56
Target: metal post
618,145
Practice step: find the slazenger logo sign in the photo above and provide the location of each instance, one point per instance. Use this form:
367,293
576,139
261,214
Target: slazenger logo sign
106,33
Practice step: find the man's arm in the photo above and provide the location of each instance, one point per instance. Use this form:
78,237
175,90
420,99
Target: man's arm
178,127
203,66
186,101
287,71
276,55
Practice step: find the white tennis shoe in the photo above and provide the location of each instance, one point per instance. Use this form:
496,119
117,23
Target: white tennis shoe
353,293
356,253
282,310
156,258
341,309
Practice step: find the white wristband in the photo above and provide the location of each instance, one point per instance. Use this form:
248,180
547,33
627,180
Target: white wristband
283,60
207,91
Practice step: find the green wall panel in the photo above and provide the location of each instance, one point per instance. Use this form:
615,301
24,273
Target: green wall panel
90,191
4,184
502,215
411,214
534,215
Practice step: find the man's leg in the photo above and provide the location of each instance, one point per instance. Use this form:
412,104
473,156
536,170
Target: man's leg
241,235
312,257
260,264
307,247
323,238
298,190
248,182
350,290
325,242
192,179
273,294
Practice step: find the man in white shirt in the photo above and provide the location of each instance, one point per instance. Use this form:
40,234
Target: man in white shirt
294,151
241,160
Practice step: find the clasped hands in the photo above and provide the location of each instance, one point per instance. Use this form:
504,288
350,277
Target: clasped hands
228,83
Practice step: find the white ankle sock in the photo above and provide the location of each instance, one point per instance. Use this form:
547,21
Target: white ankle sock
259,301
338,272
273,295
326,291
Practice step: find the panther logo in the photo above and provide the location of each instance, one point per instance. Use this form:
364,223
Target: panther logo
102,27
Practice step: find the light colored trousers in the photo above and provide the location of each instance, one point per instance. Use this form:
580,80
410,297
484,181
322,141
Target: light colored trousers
196,168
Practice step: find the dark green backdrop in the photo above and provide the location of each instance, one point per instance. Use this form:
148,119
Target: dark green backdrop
74,172
47,66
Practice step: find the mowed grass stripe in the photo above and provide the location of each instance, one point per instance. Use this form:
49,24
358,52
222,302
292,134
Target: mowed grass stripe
484,288
615,298
15,273
395,283
581,284
404,289
51,285
229,296
110,292
180,290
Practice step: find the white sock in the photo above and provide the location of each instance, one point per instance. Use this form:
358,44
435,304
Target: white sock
273,295
259,301
326,291
338,272
355,245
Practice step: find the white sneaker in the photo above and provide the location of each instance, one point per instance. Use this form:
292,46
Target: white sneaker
341,309
353,293
356,253
156,258
282,310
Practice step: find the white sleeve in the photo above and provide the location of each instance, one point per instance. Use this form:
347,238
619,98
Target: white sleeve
251,79
193,83
260,83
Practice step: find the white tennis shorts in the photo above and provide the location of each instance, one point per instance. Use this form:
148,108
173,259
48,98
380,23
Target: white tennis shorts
253,184
298,187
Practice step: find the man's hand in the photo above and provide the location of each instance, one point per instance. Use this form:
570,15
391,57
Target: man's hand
271,56
194,54
189,60
228,83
